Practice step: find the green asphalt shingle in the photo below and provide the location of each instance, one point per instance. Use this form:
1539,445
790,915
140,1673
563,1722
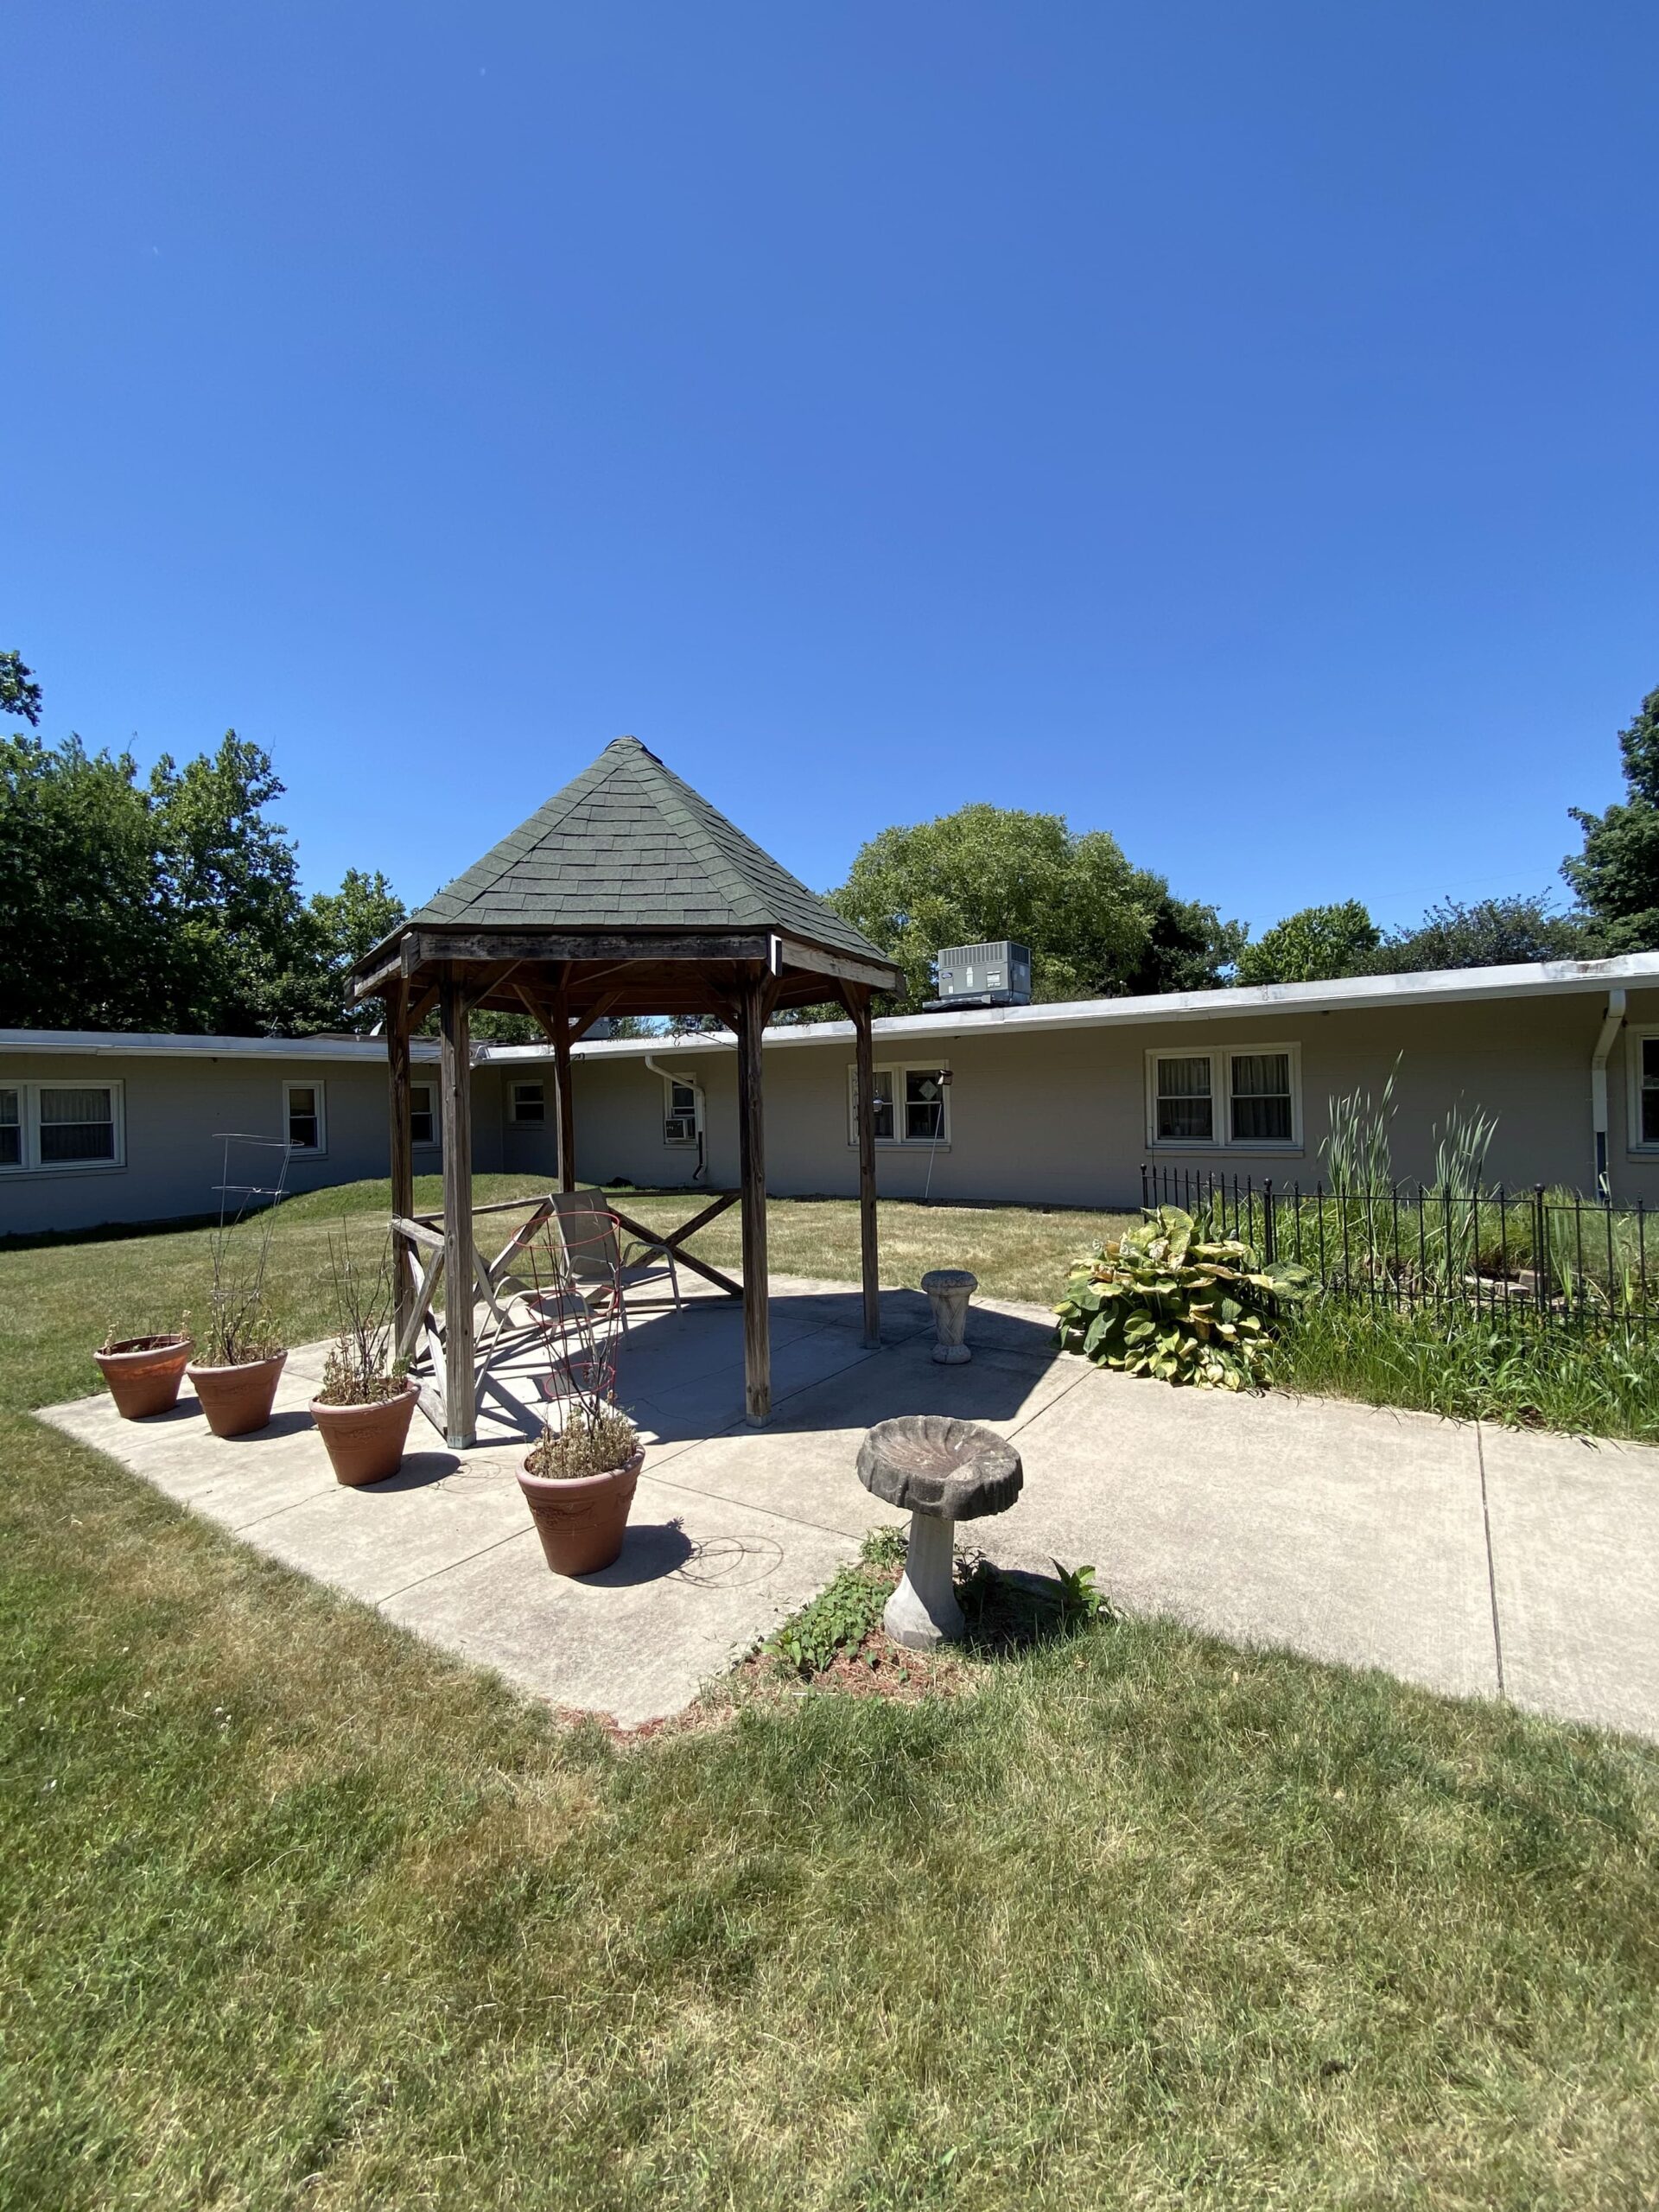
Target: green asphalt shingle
627,845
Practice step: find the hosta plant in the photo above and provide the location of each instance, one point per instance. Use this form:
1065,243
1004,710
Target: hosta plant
1168,1298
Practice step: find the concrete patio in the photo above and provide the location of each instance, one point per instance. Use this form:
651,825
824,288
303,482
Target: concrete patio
1470,1559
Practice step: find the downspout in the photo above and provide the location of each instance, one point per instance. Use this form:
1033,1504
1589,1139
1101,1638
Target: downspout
1613,1021
657,1068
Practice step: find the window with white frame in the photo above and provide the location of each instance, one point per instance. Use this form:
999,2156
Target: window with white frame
423,1114
1644,1058
527,1101
679,1111
1216,1098
304,1120
45,1126
909,1105
11,1126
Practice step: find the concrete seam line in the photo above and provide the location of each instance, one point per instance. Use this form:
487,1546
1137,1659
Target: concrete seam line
760,1512
449,1568
236,1528
1037,1412
1491,1569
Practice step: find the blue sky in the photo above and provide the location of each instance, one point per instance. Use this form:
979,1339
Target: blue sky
1231,427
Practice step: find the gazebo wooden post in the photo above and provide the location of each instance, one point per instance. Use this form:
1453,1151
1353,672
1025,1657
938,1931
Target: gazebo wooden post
455,1087
402,1153
567,1097
864,1053
751,1173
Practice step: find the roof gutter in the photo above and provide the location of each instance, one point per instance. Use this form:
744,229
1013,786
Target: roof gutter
1612,1022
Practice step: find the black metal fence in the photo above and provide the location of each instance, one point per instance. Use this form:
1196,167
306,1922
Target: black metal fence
1552,1256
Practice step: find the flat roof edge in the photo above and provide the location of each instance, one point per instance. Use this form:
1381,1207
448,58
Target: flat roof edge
1349,993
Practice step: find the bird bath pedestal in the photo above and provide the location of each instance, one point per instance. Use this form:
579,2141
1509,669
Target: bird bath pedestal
949,1290
942,1472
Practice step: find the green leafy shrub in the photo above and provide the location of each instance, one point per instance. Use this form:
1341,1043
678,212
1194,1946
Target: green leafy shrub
840,1618
1167,1299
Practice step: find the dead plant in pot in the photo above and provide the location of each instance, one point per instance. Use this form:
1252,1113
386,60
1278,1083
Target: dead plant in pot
579,1482
143,1371
241,1354
366,1401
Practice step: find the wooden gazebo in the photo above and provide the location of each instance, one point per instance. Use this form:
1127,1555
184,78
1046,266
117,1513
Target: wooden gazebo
626,893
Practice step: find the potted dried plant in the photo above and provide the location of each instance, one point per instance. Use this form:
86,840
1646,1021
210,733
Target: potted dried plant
242,1353
143,1373
579,1482
242,1359
366,1401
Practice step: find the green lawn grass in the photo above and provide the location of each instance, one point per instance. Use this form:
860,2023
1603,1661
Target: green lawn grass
296,1912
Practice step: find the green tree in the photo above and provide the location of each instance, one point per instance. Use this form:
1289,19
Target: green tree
19,693
343,926
1616,877
1189,947
988,872
1309,946
78,879
240,956
1486,933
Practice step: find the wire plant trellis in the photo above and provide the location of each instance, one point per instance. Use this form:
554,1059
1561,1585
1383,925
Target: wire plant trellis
239,1320
1548,1256
574,1294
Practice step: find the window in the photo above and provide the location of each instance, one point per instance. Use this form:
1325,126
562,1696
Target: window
1187,1112
1645,1087
679,1112
422,1114
52,1126
302,1115
907,1105
1216,1099
924,1090
77,1123
527,1101
1261,1098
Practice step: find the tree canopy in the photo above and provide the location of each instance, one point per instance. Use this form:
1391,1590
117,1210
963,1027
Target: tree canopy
1486,933
1312,945
167,902
1616,877
1095,925
19,693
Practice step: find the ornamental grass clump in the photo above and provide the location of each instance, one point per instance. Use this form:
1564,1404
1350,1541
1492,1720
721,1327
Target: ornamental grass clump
1169,1299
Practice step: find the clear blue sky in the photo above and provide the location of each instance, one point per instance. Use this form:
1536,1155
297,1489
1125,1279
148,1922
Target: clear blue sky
1233,427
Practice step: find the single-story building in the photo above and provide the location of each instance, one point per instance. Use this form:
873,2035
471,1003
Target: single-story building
1050,1105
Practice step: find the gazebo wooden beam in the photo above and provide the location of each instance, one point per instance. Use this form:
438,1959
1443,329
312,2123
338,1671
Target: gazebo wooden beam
791,960
420,946
839,967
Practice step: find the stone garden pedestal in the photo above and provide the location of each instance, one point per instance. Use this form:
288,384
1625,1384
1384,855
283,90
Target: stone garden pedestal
949,1290
942,1472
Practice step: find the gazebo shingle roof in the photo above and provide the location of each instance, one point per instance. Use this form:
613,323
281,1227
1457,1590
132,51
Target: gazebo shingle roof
627,844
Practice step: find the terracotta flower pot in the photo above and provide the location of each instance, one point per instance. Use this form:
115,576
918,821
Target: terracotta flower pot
365,1443
144,1373
237,1400
581,1521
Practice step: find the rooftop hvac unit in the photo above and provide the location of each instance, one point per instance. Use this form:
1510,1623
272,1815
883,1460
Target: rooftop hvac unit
998,973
